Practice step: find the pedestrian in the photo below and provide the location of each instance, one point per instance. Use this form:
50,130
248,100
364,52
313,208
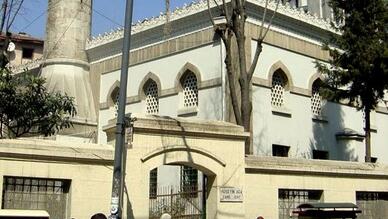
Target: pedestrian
259,217
165,216
98,216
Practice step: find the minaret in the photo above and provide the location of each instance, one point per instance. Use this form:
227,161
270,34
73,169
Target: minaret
66,66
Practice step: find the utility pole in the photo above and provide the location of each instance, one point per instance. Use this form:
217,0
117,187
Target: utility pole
117,182
3,55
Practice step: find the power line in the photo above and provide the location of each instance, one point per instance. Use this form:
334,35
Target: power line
94,10
40,15
14,16
58,41
102,15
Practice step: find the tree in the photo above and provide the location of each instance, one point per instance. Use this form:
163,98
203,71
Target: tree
232,32
28,108
238,68
357,71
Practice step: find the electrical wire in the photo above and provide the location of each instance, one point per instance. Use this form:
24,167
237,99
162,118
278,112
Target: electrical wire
57,42
102,15
40,15
14,16
53,6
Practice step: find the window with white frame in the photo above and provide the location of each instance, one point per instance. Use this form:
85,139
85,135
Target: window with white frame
279,83
151,97
190,90
37,194
316,98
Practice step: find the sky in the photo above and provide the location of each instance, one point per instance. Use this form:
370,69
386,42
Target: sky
107,14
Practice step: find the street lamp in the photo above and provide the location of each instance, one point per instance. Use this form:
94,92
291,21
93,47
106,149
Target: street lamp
118,170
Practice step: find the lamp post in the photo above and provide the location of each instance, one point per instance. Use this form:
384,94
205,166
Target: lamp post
117,182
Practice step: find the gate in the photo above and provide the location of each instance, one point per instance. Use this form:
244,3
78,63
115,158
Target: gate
183,202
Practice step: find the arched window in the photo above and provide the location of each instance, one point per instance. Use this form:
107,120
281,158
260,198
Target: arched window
316,98
279,84
151,97
190,90
114,96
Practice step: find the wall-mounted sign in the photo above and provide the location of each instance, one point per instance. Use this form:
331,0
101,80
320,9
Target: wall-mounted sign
231,194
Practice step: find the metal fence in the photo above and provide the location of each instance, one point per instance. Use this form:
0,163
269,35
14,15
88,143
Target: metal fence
36,193
179,202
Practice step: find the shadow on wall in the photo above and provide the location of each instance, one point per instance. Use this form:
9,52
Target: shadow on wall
168,142
129,212
259,137
325,128
213,107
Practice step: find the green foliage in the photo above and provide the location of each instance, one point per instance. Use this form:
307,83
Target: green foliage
26,107
358,71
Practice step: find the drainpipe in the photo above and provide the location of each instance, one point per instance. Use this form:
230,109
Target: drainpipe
223,81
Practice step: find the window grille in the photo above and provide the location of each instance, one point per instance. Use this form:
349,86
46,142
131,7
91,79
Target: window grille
115,99
316,100
189,180
36,194
277,92
290,199
153,183
190,91
372,204
152,100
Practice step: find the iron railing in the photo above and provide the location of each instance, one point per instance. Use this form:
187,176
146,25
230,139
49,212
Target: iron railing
180,202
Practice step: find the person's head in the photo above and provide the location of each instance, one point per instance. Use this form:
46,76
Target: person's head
98,216
260,217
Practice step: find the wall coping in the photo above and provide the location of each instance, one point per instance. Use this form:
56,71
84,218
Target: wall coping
56,151
153,124
306,167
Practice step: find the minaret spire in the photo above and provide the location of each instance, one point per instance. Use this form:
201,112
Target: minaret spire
66,66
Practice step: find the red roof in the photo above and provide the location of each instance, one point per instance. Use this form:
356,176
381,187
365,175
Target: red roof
23,38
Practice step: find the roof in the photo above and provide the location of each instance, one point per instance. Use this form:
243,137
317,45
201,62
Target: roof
198,6
328,210
323,205
23,38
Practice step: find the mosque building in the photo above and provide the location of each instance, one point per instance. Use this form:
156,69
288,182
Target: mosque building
305,149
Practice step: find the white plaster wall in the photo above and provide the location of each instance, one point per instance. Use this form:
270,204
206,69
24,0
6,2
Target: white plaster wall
167,69
300,66
170,175
206,59
209,107
380,138
299,131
